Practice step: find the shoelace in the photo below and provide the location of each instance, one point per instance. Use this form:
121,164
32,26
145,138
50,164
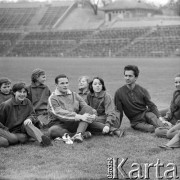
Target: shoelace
66,139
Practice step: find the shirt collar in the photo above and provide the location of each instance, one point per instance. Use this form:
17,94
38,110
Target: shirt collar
130,90
58,93
15,103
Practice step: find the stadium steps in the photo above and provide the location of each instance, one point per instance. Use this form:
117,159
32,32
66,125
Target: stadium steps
133,41
38,16
82,18
79,43
66,13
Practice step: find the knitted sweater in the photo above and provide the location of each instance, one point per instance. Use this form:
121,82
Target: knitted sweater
134,103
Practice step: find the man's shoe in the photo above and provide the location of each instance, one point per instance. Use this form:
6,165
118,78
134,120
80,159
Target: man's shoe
67,139
45,141
77,138
87,135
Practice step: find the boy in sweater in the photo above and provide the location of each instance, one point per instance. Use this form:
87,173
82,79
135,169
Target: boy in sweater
5,89
135,102
18,120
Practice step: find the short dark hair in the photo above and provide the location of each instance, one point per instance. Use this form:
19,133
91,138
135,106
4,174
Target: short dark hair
60,76
4,80
19,86
101,81
132,68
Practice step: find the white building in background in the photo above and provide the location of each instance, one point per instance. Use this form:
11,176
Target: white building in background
125,9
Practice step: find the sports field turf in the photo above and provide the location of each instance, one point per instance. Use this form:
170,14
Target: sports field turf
89,159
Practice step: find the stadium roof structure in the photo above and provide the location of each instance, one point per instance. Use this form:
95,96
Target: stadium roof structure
128,4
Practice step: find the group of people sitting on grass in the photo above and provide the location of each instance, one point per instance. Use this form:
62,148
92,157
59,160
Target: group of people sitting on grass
26,111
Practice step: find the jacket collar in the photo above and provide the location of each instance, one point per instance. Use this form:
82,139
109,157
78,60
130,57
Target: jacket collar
58,93
33,85
85,92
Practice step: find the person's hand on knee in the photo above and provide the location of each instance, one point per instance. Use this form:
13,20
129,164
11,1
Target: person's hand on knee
80,117
27,122
91,118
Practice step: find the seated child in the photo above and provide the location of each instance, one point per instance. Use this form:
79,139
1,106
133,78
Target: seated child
5,89
38,94
18,120
83,86
173,115
106,121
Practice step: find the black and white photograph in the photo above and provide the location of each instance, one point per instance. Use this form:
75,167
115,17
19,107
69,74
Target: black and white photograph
89,89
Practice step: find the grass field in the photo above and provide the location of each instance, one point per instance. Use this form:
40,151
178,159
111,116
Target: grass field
89,159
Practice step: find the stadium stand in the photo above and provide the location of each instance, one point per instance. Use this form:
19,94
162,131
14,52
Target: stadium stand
125,42
42,48
13,18
59,35
36,29
52,15
161,42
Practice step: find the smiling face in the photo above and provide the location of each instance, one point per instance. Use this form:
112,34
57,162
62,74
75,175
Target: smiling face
97,86
5,88
177,83
20,95
62,85
129,77
83,84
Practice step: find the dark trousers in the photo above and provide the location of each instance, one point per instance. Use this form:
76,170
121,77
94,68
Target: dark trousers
149,123
8,138
98,125
58,129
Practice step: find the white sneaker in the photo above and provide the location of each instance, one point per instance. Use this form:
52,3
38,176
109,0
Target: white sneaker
67,139
77,138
